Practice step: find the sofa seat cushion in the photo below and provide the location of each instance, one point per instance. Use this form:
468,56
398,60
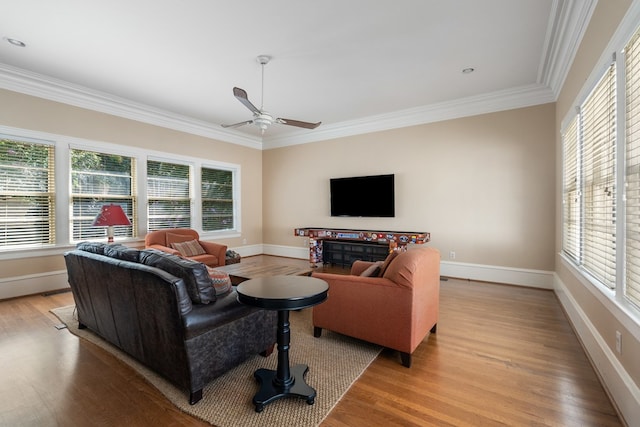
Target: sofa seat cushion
195,275
204,318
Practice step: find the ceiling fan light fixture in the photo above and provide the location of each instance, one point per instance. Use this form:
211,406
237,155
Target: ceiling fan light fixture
261,118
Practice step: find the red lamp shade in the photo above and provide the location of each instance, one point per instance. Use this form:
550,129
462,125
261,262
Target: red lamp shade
109,216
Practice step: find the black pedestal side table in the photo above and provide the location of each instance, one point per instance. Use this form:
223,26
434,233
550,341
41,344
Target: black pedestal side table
282,293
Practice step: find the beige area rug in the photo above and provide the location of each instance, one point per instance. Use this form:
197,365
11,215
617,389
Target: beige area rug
334,361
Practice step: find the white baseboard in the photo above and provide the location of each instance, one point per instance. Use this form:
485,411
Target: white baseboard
18,286
485,273
620,386
496,274
286,251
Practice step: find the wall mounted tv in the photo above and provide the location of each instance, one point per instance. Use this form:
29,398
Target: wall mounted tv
363,196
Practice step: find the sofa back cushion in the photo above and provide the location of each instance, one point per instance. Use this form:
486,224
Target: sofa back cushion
93,247
122,252
195,274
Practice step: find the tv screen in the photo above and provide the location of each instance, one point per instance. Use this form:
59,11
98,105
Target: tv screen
364,196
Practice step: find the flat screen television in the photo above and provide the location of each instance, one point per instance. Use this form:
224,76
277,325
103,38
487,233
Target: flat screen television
363,196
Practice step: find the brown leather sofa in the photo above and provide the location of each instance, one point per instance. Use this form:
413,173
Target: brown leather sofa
162,310
212,254
396,311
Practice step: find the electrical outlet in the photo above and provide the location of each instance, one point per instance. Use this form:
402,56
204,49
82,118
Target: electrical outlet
244,241
305,242
618,342
452,254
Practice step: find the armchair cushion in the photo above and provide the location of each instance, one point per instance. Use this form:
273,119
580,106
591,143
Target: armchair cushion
188,248
179,238
385,264
373,270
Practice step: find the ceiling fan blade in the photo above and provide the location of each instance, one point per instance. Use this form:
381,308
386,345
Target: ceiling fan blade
235,125
241,94
298,123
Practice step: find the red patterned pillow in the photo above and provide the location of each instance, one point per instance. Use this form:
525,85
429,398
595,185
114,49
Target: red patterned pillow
220,280
189,248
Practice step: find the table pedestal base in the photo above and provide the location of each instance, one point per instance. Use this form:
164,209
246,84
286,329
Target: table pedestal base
271,390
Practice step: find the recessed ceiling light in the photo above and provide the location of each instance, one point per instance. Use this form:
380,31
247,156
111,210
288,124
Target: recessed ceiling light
468,70
15,42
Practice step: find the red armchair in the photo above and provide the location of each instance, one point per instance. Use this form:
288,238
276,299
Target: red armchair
180,241
396,311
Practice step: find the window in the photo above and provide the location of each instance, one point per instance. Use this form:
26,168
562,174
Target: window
27,194
97,179
632,170
589,187
217,199
169,195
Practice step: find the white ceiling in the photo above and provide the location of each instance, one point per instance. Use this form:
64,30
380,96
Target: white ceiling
356,65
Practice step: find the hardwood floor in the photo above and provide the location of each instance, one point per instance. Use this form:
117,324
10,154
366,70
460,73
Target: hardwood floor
503,356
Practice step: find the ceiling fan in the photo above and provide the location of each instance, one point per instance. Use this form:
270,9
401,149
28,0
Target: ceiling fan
261,118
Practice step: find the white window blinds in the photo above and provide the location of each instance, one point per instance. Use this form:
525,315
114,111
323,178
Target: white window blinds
597,131
571,192
98,179
169,195
632,171
27,194
217,199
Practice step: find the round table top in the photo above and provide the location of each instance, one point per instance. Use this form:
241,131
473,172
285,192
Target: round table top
283,292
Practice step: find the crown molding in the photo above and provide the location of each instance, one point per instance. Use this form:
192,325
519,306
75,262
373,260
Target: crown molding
525,96
29,83
568,21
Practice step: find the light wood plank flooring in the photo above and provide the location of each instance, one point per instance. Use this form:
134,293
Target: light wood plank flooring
503,356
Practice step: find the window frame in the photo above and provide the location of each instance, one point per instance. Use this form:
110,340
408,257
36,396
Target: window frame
615,296
62,147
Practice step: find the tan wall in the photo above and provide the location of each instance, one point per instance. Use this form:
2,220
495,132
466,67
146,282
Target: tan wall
604,22
31,113
482,186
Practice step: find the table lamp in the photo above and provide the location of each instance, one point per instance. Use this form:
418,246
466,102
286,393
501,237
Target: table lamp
109,216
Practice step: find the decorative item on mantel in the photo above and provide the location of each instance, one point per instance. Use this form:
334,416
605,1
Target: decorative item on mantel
395,240
109,216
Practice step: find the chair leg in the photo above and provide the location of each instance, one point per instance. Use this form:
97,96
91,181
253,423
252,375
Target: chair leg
317,331
405,358
195,397
433,330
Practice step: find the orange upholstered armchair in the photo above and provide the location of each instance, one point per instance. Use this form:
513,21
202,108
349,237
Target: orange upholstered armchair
396,310
186,242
